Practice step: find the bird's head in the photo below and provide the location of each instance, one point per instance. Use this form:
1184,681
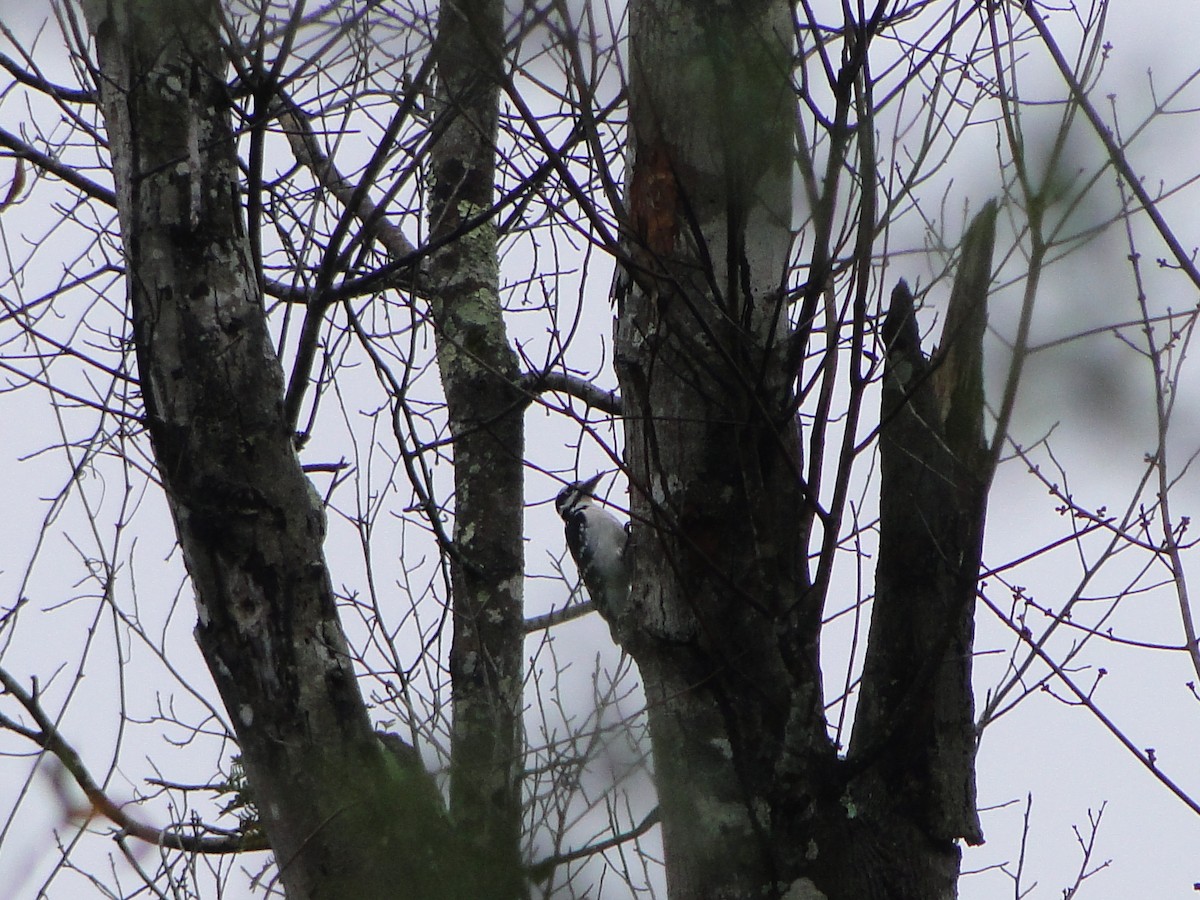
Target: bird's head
573,494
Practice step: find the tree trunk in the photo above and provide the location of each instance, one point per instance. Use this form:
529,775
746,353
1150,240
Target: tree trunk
486,410
724,621
344,817
722,626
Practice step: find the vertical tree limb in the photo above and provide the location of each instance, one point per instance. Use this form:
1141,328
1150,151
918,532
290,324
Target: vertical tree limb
481,379
913,745
721,626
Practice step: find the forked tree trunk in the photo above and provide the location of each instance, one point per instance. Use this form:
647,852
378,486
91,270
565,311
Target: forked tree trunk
724,622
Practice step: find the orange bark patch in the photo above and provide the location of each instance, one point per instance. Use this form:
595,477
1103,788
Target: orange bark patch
653,198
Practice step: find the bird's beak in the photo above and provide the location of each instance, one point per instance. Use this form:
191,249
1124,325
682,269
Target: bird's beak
590,485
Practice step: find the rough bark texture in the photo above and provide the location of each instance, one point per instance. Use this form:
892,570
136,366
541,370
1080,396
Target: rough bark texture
711,445
479,374
914,733
344,817
724,623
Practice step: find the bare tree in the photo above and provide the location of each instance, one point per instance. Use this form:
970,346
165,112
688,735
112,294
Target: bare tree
336,307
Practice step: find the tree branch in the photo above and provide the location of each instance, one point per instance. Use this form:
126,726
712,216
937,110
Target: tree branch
51,740
42,85
1115,152
49,164
297,127
573,386
1144,757
540,871
558,616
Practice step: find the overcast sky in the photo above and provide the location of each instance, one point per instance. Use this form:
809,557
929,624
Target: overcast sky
1094,397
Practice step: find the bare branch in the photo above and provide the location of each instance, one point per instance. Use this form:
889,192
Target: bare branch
540,871
50,739
1116,154
573,386
297,126
52,166
559,616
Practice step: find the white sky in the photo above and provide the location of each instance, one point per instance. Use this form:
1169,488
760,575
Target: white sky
1096,395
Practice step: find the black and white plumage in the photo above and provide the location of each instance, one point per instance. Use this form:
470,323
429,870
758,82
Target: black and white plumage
597,544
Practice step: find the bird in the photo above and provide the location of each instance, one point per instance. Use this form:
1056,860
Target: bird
597,542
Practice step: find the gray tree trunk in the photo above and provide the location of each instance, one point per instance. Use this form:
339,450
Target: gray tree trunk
480,375
723,635
725,620
344,817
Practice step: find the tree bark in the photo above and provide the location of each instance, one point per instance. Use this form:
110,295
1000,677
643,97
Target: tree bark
344,817
910,769
914,733
724,622
722,627
481,377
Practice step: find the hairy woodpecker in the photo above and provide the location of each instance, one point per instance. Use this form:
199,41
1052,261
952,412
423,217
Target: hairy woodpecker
597,544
